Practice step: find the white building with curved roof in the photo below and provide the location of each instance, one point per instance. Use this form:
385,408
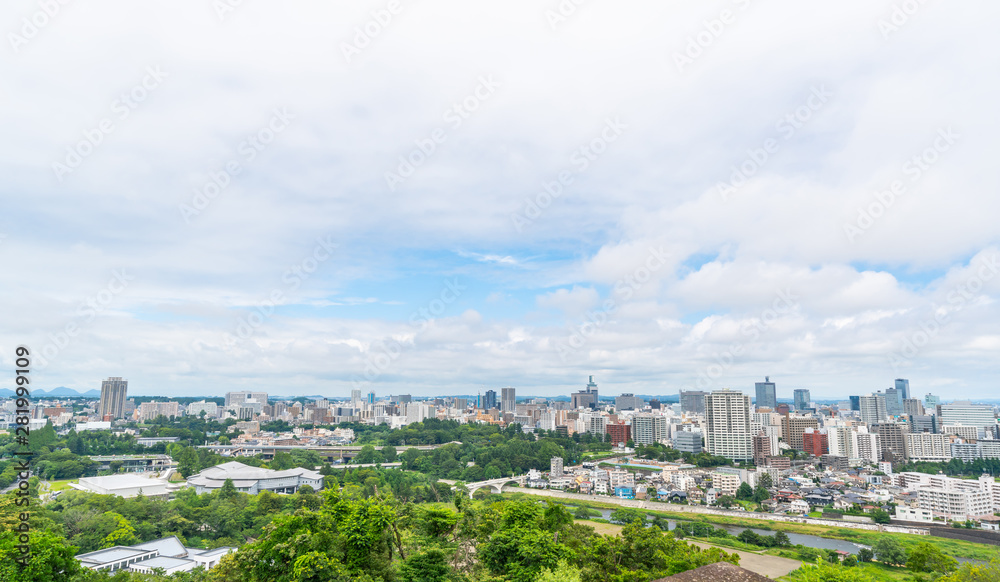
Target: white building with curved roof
253,480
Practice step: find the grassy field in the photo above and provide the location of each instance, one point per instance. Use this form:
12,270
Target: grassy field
954,548
60,485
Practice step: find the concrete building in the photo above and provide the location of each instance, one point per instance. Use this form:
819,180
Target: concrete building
210,409
893,441
253,480
934,448
793,427
815,442
801,399
150,410
764,446
126,486
556,467
727,425
628,402
869,447
872,408
967,414
113,393
970,433
725,483
236,398
955,504
620,432
586,398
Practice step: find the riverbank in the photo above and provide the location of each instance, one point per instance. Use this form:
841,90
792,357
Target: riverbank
954,548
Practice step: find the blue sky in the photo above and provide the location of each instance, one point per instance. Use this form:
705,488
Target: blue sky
271,198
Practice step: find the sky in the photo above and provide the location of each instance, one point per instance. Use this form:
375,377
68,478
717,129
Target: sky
441,197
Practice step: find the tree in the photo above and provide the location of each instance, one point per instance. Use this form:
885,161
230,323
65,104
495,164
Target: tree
228,490
744,491
974,572
389,452
429,566
563,572
889,551
625,515
928,558
765,481
187,464
51,558
725,501
781,540
865,555
881,516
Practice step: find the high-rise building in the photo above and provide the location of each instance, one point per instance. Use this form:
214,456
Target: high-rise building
903,387
586,398
932,448
869,447
508,401
923,423
356,398
489,400
872,408
893,402
800,397
648,429
855,403
654,404
693,401
371,397
112,402
843,441
815,442
727,425
931,401
688,441
764,446
766,396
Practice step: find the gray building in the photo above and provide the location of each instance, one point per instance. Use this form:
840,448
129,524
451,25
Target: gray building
253,480
693,401
628,402
903,387
967,414
112,402
508,400
687,442
766,394
489,401
801,399
586,398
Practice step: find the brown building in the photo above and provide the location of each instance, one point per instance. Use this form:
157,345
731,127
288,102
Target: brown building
620,432
815,442
891,435
792,428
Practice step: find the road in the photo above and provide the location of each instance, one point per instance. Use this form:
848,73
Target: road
770,566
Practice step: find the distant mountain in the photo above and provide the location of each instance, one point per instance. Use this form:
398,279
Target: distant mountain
59,392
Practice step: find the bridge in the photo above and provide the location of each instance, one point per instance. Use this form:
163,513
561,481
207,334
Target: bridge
495,485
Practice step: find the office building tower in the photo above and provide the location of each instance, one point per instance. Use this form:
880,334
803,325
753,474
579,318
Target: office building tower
628,402
371,397
903,387
489,400
931,402
801,399
693,401
764,446
766,394
654,404
872,408
727,425
967,414
842,441
648,429
869,447
356,398
923,423
586,398
112,401
893,402
855,403
597,425
508,401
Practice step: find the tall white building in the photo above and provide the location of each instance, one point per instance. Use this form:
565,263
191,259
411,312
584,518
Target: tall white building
869,446
872,408
924,446
727,425
508,401
967,414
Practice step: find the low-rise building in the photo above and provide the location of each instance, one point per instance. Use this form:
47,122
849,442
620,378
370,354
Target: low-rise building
253,480
167,554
